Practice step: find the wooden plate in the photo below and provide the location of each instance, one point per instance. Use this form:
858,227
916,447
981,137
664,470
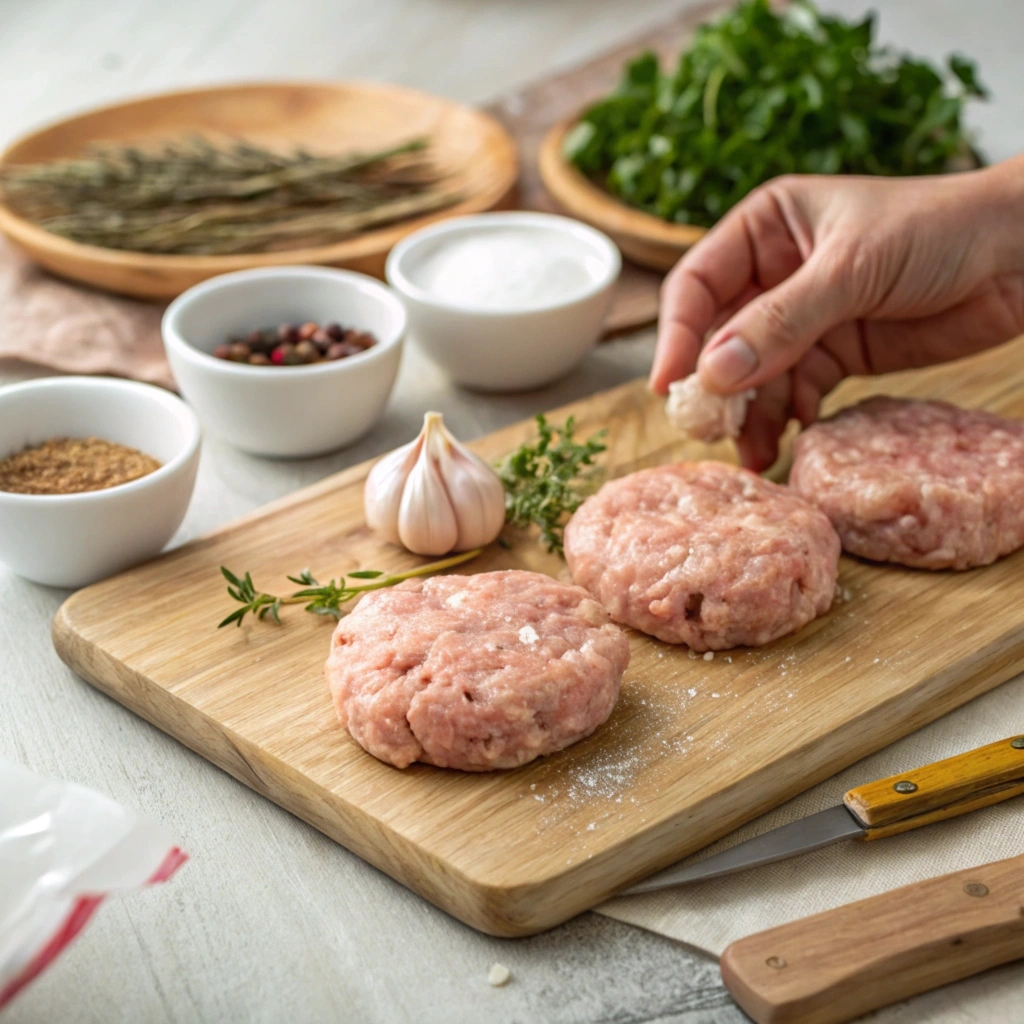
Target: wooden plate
644,238
325,117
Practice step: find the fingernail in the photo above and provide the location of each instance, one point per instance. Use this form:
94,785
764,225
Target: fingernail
729,363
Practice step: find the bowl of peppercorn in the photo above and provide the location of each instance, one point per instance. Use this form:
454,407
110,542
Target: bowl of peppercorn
286,362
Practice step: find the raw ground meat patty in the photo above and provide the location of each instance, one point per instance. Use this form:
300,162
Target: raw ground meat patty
475,672
924,484
704,554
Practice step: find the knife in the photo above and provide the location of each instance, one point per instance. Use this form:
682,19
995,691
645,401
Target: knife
945,789
836,965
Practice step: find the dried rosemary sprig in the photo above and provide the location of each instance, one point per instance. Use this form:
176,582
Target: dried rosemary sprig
322,599
195,197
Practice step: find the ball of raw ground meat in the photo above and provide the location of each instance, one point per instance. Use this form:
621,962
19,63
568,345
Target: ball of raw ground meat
475,672
704,554
703,416
924,484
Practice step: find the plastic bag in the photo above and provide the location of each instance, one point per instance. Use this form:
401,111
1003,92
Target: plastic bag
63,849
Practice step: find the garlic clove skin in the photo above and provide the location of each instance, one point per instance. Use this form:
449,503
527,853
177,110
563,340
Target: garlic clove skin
426,519
474,489
382,494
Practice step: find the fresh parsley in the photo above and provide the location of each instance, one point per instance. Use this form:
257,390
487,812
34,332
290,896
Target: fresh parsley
761,93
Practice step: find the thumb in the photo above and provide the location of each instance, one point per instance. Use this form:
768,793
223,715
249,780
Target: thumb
770,334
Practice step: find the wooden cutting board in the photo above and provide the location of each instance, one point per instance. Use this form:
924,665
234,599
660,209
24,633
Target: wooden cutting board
692,750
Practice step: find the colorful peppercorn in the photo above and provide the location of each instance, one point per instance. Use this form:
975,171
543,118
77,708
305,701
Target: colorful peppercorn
291,344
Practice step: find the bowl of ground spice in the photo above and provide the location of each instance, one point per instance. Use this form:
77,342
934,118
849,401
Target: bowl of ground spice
95,475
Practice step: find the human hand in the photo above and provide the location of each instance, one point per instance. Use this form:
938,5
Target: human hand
813,278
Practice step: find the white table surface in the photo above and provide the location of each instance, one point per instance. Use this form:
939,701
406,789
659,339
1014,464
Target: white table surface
270,921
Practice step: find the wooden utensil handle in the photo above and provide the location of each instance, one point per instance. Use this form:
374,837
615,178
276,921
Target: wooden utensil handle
839,964
941,790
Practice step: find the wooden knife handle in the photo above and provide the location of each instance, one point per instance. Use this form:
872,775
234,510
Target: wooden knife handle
944,789
842,963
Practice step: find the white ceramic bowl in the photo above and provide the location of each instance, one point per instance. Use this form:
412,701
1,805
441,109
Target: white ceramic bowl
69,540
506,349
285,411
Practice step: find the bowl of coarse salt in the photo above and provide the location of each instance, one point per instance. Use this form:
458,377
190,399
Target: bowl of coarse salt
505,301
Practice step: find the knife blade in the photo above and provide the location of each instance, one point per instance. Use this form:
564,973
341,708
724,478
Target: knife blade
934,792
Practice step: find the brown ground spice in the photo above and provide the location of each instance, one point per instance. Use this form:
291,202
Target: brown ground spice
69,465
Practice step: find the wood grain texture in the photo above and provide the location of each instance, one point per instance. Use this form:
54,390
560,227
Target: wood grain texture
692,750
645,239
941,790
340,117
838,965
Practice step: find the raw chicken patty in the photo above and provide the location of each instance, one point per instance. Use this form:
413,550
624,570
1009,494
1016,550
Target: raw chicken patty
475,672
924,484
704,554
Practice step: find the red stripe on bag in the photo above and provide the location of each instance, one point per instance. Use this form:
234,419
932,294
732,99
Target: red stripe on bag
77,919
84,908
174,859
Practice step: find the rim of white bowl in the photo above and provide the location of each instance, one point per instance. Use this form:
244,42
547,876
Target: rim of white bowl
598,241
175,339
187,417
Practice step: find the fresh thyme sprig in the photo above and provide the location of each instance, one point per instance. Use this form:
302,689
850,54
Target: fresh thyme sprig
546,482
322,599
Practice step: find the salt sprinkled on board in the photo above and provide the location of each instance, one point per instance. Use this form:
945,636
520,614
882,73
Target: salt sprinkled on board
692,691
709,655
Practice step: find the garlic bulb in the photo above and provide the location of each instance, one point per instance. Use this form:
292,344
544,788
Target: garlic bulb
434,495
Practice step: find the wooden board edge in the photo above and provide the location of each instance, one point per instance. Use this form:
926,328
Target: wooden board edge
525,907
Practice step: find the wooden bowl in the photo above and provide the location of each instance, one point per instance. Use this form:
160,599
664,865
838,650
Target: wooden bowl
324,117
644,238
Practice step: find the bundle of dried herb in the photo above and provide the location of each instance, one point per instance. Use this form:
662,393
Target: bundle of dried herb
197,197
